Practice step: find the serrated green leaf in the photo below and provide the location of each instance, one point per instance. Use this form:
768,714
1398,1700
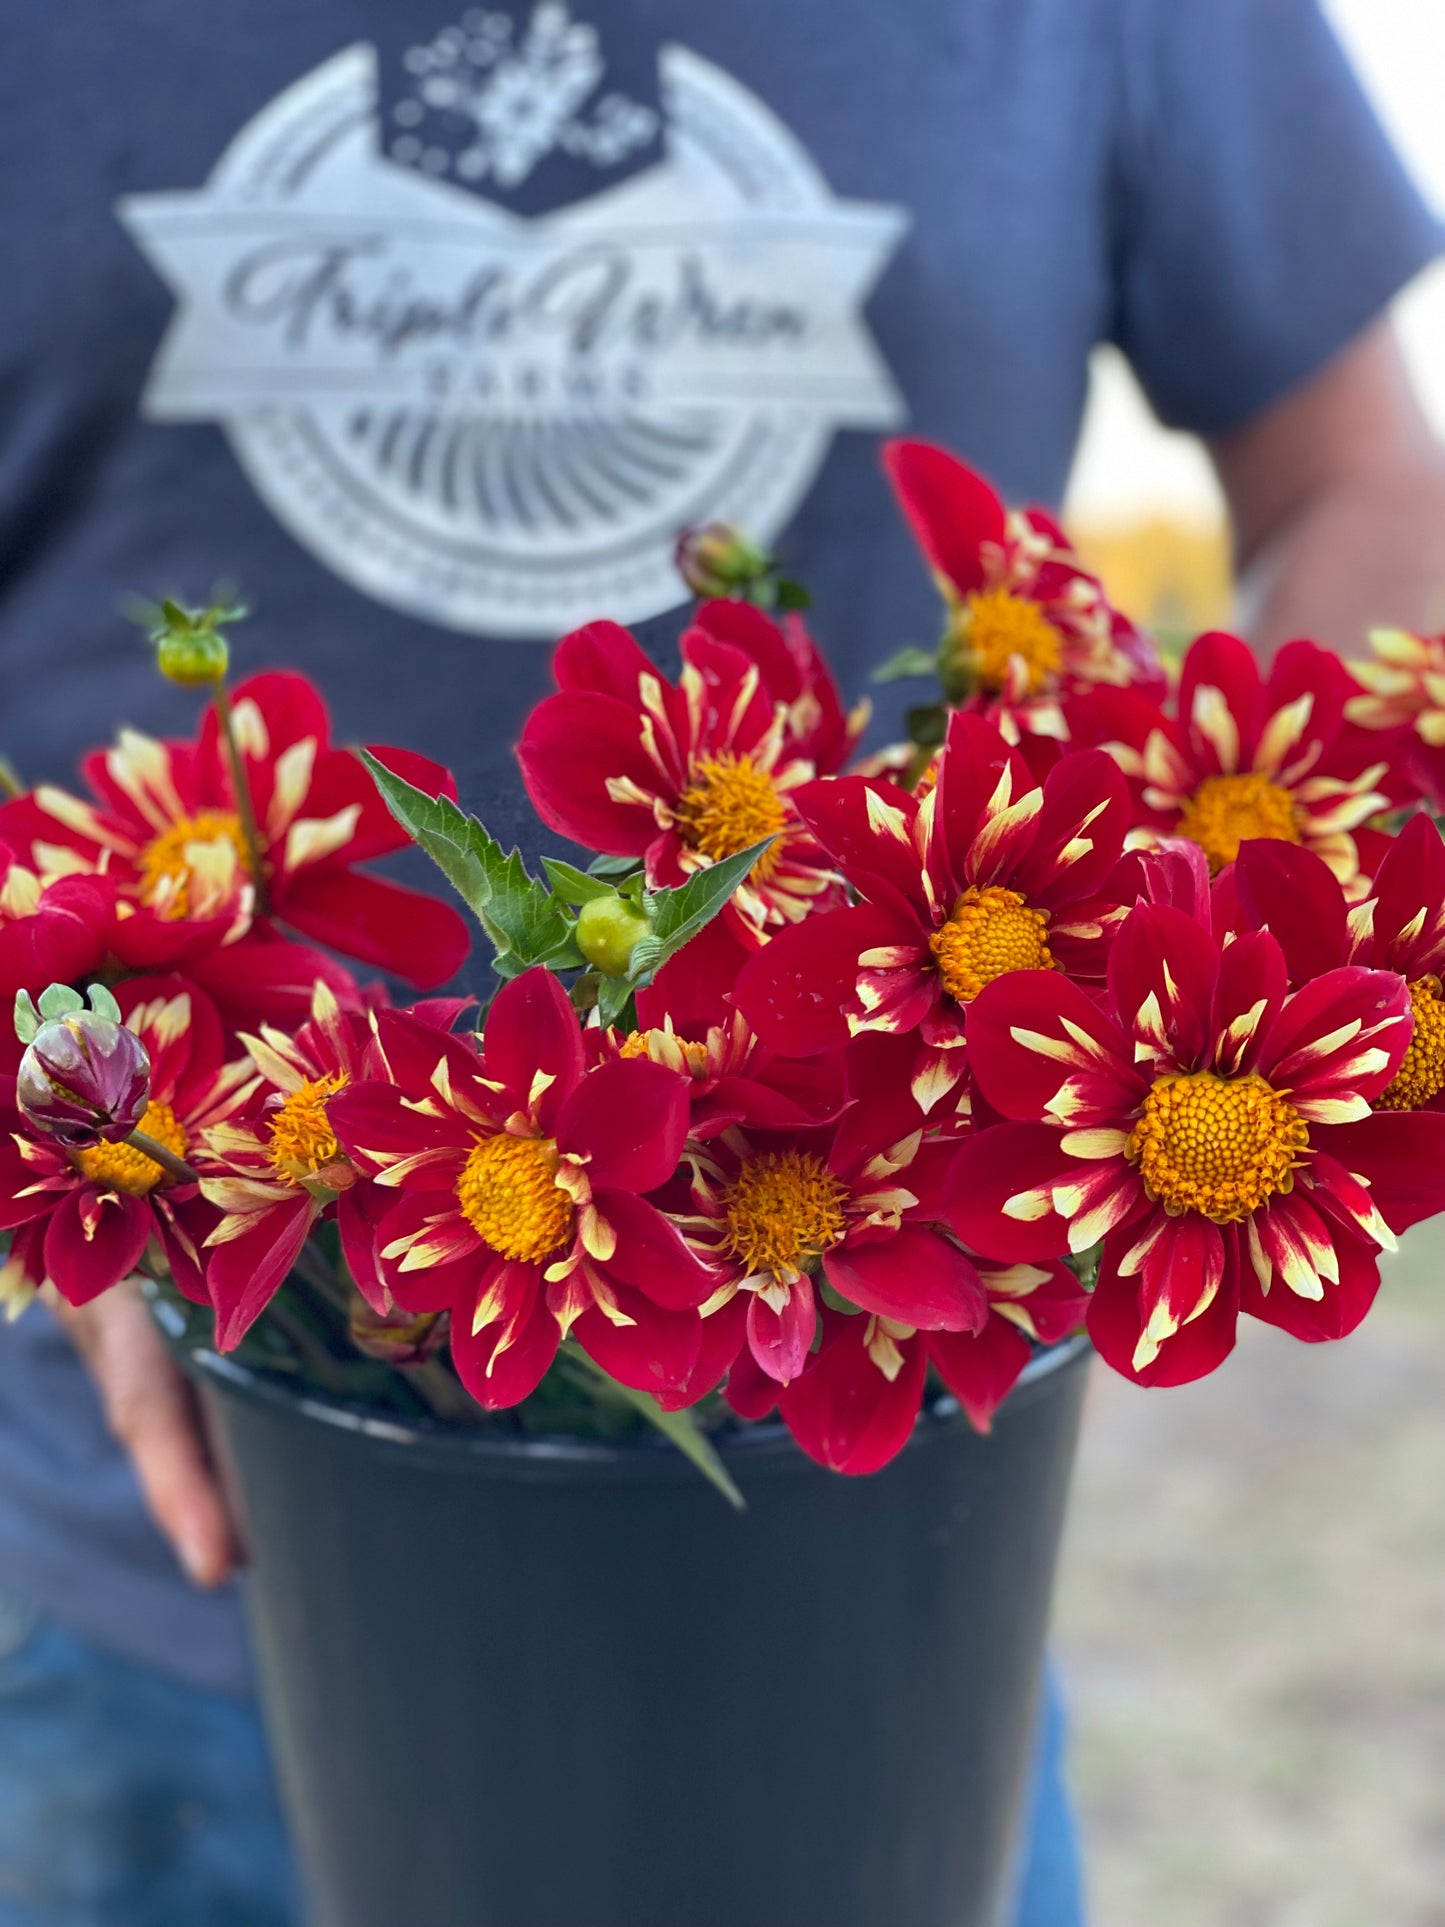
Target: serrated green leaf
677,915
27,1017
908,662
615,866
521,917
103,1004
574,885
680,1427
614,998
58,1000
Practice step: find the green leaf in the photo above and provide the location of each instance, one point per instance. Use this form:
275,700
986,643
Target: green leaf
27,1017
103,1004
792,595
614,1000
908,662
574,885
681,1427
522,918
679,914
615,866
59,1000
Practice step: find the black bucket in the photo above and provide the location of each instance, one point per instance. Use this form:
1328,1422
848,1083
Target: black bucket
517,1682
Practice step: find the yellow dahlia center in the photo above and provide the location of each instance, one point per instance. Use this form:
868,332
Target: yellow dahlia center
123,1167
995,629
1422,1073
509,1195
783,1209
730,805
991,932
1221,1146
191,868
302,1140
639,1043
1226,811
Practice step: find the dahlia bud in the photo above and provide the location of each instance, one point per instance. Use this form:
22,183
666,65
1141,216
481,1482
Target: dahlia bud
720,561
84,1078
400,1338
608,930
190,648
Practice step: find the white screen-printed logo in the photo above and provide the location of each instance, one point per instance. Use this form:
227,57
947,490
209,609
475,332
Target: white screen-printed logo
501,423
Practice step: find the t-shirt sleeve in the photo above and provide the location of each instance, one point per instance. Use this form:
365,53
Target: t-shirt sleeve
1262,216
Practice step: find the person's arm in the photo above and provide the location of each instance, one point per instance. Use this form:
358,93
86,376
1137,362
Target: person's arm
1337,498
153,1413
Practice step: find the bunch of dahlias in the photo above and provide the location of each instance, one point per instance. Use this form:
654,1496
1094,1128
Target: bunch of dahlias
810,1085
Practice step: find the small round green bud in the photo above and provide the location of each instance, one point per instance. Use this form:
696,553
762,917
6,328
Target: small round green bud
192,657
607,930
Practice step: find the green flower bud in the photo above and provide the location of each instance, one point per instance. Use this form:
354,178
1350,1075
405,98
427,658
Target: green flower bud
193,658
608,928
720,561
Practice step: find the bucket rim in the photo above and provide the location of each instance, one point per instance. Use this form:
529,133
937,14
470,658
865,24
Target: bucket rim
765,1443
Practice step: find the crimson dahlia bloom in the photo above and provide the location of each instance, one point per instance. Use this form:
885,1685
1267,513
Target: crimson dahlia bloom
1028,626
856,1402
680,775
1250,755
54,929
1403,697
768,1216
519,1173
989,872
278,1169
84,1218
165,828
1216,1131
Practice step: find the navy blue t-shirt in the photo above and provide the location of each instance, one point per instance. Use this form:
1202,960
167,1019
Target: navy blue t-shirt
432,329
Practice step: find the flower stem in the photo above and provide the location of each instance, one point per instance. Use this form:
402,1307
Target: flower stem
245,806
166,1159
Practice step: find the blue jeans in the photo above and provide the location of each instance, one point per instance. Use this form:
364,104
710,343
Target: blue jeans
129,1800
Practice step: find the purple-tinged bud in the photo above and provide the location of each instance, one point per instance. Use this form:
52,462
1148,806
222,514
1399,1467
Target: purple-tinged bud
399,1338
719,561
84,1079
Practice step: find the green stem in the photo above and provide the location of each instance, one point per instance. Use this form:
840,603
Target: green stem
444,1396
166,1159
245,807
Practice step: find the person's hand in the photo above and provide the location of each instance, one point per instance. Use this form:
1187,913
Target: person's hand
152,1411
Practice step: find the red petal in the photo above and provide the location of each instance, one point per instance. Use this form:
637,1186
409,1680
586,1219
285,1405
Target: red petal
506,1360
359,1213
724,1335
1400,1155
628,1117
1372,1010
340,781
1055,870
951,510
1117,1315
798,990
245,1273
1289,891
658,1352
531,1027
651,1255
81,1267
1221,662
415,936
1318,1320
843,1411
915,1278
570,746
1163,961
980,1369
264,981
1248,997
1021,1081
604,658
780,1340
996,1165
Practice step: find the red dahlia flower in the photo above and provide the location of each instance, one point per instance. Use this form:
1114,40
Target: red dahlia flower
279,1168
1400,927
84,1218
519,1173
769,1216
1249,756
53,929
679,775
1404,696
165,827
989,872
1213,1129
857,1399
1028,626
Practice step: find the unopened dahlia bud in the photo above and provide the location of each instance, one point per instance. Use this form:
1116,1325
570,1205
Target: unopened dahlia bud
193,660
608,930
84,1078
719,560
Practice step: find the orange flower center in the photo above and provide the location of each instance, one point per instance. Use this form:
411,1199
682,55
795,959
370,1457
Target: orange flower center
1221,1146
784,1209
302,1140
192,868
509,1194
1226,811
994,630
124,1168
1422,1072
991,932
730,805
